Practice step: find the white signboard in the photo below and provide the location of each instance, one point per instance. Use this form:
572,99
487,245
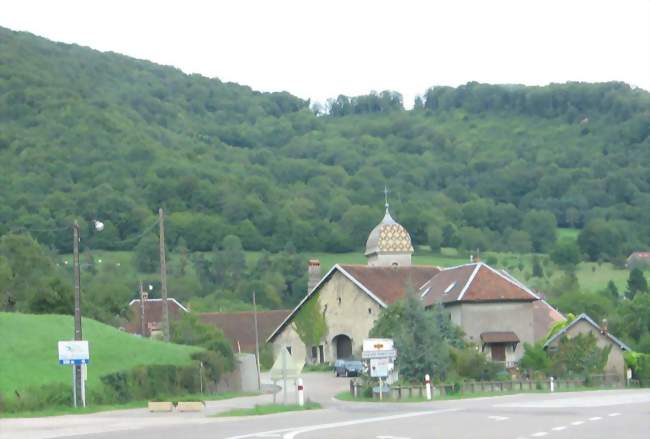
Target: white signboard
378,348
378,344
381,367
74,352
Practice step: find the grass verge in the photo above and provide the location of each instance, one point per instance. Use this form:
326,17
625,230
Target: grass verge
269,409
67,410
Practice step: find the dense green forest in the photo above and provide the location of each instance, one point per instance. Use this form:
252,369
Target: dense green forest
93,135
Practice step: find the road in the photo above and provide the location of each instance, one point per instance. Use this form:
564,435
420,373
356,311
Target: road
619,414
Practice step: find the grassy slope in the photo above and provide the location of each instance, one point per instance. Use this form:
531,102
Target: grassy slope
28,344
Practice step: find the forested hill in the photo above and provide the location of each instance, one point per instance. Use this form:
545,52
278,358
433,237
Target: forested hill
87,135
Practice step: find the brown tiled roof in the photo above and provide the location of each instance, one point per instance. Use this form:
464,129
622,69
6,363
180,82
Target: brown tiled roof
446,285
544,315
476,282
240,326
499,337
152,314
389,283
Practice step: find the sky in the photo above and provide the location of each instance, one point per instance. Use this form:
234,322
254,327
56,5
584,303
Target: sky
320,49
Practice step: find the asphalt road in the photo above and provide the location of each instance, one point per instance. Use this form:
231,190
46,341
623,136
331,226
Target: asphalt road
618,414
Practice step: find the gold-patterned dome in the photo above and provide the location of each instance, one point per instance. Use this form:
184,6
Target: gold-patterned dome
388,237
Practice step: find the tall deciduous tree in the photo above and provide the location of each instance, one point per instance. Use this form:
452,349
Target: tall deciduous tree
418,339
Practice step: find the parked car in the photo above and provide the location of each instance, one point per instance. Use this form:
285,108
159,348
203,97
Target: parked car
348,367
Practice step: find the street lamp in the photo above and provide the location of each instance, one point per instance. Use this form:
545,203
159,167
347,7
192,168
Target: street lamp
99,226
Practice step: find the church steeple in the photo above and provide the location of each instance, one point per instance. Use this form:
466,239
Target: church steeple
389,244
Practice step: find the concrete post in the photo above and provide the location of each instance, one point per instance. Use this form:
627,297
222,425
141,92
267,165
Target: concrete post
427,383
301,393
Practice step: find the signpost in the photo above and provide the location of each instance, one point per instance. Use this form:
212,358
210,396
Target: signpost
75,353
381,353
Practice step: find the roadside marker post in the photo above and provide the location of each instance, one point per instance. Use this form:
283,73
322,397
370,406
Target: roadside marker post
552,384
427,383
301,392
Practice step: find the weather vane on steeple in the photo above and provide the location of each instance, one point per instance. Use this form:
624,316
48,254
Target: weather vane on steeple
386,197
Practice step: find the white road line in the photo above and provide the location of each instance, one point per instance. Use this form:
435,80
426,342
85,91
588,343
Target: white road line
614,414
577,422
392,437
595,418
291,432
498,418
560,428
296,432
539,434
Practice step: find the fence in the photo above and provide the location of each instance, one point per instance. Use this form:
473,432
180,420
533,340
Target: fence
496,387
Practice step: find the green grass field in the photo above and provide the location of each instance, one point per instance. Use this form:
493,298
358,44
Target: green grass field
30,358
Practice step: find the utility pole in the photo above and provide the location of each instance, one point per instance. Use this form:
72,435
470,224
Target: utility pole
77,307
143,326
257,344
163,275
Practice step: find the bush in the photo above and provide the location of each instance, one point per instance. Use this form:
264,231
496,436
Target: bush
39,398
470,363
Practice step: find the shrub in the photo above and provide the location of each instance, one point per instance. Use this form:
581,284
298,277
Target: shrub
470,363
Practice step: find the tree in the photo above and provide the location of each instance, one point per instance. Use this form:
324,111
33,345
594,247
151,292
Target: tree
578,356
147,254
566,254
190,331
636,283
599,239
612,290
535,358
422,348
541,227
538,271
434,238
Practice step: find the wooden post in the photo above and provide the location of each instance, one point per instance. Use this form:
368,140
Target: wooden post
163,275
257,344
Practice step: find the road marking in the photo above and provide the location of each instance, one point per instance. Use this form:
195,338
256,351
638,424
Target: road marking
595,418
294,433
498,418
577,422
539,434
560,428
392,437
291,432
614,414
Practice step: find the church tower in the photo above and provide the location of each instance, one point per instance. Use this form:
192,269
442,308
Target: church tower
389,244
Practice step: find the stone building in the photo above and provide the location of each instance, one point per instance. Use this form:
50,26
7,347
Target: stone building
496,311
583,324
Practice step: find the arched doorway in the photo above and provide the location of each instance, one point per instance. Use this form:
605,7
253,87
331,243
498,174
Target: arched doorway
343,345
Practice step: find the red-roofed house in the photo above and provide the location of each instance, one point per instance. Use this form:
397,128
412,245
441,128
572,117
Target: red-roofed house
496,311
638,260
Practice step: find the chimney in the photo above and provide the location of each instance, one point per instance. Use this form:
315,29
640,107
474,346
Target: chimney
603,327
313,272
145,296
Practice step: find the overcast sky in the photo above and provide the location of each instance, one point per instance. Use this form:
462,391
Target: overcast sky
322,49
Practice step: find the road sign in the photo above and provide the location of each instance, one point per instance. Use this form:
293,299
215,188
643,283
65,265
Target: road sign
366,355
74,352
381,367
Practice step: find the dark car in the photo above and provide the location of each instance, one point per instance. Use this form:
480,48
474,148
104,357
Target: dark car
348,368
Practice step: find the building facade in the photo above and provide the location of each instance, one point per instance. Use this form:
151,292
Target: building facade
496,312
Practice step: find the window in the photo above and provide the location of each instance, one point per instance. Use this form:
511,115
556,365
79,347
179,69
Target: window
450,287
339,299
369,310
289,349
314,352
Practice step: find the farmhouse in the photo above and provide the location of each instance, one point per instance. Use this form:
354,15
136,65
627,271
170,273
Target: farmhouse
496,312
638,260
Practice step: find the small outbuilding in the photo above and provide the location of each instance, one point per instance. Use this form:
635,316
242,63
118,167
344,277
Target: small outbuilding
583,324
